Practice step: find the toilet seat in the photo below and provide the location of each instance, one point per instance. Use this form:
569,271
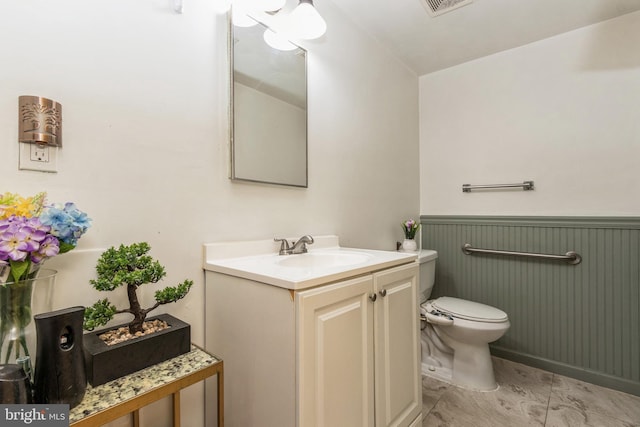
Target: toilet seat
467,310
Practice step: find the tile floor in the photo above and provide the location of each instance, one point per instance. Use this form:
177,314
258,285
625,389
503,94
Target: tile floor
528,397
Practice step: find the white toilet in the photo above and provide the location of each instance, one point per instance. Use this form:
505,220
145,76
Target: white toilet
456,334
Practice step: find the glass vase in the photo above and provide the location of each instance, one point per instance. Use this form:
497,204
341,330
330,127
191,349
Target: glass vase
19,301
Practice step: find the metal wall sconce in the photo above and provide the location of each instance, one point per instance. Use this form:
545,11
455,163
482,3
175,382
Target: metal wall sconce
40,121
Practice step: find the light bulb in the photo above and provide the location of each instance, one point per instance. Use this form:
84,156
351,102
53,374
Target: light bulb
277,41
306,22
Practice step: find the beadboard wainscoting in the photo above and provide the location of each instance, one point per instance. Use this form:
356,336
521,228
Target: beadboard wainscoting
580,320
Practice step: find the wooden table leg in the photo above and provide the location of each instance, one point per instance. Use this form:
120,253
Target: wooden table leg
176,409
136,418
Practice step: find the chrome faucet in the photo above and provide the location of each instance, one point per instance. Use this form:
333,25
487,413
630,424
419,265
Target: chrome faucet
299,247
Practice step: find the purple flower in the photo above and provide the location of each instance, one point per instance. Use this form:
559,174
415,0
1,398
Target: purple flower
33,238
14,245
37,225
48,248
12,224
410,227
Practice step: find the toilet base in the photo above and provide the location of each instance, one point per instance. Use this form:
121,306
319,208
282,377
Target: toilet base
445,375
473,368
465,365
437,372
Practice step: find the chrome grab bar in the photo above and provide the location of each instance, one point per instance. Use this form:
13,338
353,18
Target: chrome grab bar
526,185
571,257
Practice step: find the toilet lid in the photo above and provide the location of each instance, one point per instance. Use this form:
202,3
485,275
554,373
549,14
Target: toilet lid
469,310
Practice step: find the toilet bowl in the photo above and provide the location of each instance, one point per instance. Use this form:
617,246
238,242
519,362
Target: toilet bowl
456,334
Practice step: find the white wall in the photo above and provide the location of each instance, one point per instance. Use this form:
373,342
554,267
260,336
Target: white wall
145,94
563,112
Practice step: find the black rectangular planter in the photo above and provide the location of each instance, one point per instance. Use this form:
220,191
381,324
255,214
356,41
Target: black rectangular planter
108,362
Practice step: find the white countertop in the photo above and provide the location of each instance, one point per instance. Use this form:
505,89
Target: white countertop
325,262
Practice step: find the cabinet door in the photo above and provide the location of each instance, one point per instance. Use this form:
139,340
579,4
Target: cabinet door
335,355
397,351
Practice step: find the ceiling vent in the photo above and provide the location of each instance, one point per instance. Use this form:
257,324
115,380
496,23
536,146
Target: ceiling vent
438,7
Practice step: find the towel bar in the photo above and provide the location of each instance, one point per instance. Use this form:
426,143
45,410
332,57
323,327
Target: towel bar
526,185
570,257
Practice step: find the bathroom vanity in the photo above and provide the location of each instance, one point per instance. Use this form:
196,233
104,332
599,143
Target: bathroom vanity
326,338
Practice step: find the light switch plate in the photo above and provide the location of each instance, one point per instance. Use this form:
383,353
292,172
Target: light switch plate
38,157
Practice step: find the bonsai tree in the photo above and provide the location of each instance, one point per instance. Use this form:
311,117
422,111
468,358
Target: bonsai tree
129,266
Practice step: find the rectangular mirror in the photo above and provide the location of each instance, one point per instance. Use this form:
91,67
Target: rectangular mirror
269,110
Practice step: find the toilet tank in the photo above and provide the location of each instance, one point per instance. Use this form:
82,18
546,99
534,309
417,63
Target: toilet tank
427,259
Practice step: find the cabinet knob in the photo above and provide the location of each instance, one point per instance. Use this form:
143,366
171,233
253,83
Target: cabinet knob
373,297
383,293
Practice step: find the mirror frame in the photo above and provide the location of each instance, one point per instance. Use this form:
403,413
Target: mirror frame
232,146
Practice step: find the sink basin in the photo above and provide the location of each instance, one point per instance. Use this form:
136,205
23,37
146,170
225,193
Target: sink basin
326,261
315,260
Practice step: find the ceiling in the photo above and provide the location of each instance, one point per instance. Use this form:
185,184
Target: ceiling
427,44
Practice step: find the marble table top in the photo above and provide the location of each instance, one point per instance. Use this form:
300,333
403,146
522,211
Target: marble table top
122,389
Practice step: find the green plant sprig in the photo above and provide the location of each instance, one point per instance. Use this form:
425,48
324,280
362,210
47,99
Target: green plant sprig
129,266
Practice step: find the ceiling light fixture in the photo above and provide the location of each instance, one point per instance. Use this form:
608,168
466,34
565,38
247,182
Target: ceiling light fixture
306,22
303,23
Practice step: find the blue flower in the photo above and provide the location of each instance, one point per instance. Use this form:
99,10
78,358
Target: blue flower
67,222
